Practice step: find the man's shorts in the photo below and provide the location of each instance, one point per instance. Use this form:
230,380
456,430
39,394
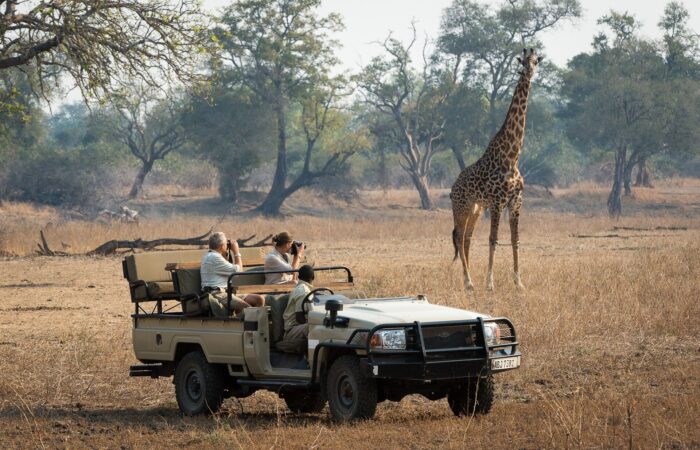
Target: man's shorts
218,301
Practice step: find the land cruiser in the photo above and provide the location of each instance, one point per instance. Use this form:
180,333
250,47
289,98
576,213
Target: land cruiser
361,350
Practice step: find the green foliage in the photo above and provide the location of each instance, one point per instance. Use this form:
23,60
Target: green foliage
234,133
280,51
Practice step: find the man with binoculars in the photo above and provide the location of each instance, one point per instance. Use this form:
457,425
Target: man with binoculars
215,270
286,255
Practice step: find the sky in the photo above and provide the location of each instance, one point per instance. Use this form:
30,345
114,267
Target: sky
370,21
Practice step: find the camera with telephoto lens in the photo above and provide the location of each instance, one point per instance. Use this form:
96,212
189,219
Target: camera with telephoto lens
296,245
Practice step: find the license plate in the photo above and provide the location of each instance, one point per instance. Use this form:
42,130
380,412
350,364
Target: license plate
505,363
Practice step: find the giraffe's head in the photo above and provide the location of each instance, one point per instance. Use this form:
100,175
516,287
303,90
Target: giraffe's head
529,61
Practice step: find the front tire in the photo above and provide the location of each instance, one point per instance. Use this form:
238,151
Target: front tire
199,386
351,394
474,396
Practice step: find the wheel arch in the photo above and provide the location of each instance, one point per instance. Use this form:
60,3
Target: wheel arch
326,358
183,347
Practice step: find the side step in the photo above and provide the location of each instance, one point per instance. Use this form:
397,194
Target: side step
145,370
276,384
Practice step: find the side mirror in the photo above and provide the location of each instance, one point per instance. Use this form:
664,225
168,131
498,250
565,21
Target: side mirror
333,306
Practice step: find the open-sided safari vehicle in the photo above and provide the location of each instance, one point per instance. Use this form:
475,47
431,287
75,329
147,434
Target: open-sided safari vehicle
361,351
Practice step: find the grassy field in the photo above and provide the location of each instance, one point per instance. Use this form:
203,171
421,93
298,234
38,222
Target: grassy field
610,343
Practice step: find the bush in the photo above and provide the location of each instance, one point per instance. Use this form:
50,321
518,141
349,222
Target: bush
57,179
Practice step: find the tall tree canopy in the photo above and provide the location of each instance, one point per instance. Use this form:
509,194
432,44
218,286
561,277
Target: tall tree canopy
282,52
414,103
150,127
490,40
620,98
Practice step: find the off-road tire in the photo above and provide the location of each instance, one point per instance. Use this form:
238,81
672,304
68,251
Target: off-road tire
199,386
304,401
474,396
351,394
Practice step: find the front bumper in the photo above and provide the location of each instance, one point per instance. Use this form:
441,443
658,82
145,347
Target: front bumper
424,361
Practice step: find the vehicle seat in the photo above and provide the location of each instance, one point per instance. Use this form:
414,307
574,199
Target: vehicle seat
277,306
188,286
246,280
148,279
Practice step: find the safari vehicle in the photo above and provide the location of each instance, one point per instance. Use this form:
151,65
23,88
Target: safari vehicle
361,350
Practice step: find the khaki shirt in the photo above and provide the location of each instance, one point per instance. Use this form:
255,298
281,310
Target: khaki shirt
294,305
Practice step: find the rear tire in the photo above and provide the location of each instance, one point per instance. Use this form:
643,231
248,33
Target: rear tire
351,394
474,396
199,386
304,401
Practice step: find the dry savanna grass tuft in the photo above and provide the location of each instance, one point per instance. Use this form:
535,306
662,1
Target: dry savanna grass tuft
608,326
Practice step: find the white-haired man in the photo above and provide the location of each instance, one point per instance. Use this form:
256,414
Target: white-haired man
215,270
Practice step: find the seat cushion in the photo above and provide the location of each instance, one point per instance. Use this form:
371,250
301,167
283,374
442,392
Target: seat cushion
160,289
277,306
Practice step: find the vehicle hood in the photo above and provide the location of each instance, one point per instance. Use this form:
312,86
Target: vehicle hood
406,310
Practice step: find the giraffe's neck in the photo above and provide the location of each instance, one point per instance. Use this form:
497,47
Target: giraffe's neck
509,139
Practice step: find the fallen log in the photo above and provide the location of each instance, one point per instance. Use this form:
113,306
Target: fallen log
651,229
112,246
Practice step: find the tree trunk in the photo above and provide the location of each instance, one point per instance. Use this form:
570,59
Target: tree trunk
228,187
383,172
140,177
627,173
614,199
421,184
460,159
627,179
643,175
273,202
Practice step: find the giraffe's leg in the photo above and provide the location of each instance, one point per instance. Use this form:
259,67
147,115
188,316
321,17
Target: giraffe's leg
493,242
462,217
468,233
514,213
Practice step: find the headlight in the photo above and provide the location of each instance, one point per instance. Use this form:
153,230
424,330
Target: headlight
389,339
492,334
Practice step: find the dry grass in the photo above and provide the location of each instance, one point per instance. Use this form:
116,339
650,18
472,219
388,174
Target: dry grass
611,348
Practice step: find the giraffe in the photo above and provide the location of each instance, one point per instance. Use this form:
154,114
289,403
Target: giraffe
494,181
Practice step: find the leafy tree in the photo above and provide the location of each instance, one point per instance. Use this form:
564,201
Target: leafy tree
414,103
489,41
233,131
150,127
680,43
281,51
618,99
99,44
466,122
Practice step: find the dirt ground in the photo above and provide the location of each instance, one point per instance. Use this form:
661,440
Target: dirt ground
611,349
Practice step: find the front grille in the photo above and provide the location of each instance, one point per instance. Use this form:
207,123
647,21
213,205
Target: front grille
506,331
446,337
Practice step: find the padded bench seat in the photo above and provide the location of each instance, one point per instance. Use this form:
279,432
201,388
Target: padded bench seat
149,279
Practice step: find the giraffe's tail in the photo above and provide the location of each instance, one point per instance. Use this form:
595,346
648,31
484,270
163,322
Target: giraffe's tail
455,240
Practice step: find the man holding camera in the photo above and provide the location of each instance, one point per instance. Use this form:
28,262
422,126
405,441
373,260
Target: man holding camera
285,256
215,270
